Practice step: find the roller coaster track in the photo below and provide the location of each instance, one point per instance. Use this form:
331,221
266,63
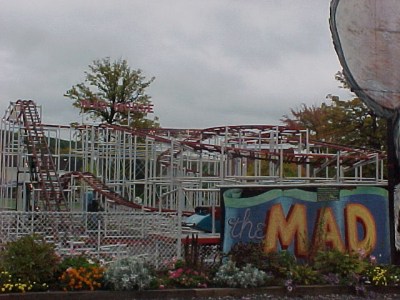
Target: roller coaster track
41,164
194,141
45,177
101,188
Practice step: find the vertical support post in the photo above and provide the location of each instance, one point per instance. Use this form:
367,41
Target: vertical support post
212,215
133,171
179,231
258,162
299,148
221,166
308,152
393,180
280,161
98,238
338,166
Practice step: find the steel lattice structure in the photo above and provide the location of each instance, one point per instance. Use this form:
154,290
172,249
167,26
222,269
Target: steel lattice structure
60,168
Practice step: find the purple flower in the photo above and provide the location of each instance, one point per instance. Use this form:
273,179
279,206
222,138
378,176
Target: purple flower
290,286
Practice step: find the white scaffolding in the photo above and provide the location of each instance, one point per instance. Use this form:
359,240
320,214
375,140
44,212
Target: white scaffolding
148,168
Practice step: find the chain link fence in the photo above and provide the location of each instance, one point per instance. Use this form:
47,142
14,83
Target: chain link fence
102,236
157,237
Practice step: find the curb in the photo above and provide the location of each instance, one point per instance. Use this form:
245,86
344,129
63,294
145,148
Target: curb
312,290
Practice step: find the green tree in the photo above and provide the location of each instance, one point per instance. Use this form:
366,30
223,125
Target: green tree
115,94
349,123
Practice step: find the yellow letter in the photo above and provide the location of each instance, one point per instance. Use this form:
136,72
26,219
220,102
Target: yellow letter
285,230
357,213
326,231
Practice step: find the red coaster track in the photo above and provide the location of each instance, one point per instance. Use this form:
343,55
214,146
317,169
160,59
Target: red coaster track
99,187
43,169
195,141
45,178
41,162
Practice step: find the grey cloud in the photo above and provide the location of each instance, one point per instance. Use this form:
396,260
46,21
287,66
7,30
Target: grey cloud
215,62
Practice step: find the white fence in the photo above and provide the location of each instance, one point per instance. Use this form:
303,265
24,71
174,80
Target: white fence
156,236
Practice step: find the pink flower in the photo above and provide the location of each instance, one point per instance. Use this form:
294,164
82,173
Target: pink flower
175,274
161,287
361,253
372,259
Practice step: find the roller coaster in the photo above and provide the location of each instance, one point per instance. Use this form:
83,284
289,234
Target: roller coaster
69,167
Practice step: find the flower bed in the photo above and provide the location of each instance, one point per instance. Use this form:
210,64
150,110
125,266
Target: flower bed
31,265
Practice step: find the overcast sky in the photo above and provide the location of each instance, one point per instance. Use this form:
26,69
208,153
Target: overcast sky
216,62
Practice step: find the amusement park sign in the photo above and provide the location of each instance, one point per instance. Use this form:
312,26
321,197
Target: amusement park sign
307,218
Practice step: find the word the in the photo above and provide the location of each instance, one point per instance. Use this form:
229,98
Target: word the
244,228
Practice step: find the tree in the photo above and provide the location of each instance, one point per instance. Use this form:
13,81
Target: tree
349,123
114,93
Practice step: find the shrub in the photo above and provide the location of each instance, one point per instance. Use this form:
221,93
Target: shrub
281,264
342,264
79,273
232,276
383,275
9,284
82,278
128,273
305,274
186,278
179,273
30,259
278,264
75,262
249,253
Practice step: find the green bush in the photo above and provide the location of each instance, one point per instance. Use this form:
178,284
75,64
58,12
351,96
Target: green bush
342,264
305,274
128,273
232,276
249,253
30,259
281,264
75,262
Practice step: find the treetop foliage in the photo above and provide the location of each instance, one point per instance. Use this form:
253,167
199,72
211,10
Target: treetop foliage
113,84
349,123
